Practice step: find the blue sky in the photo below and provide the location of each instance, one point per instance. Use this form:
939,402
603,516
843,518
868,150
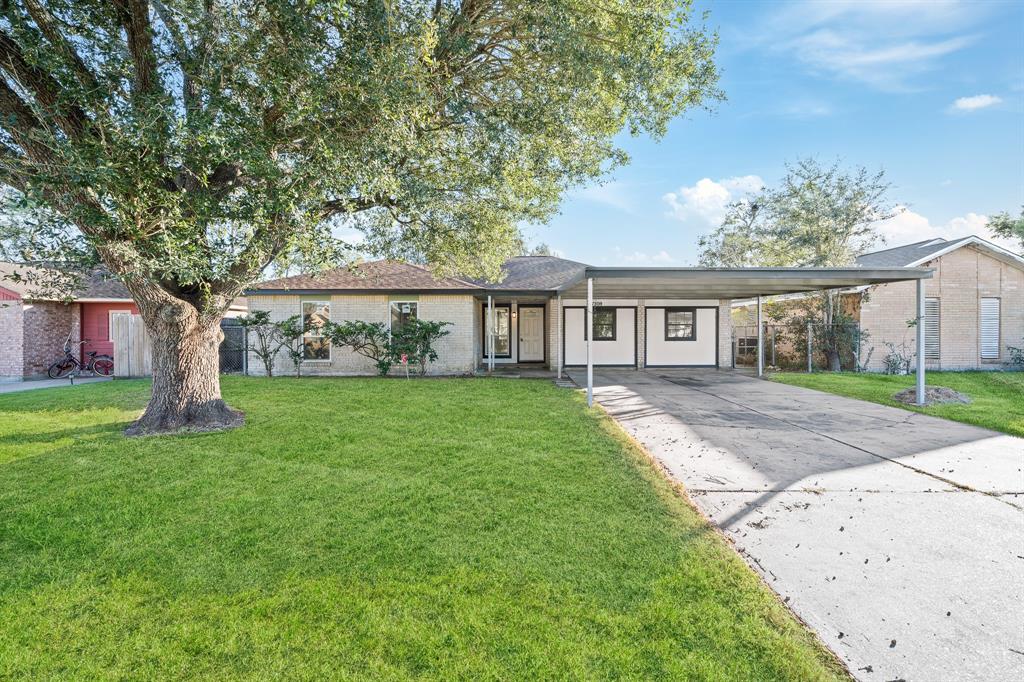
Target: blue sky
932,92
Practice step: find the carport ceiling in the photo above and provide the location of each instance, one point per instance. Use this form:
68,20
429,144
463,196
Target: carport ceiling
730,283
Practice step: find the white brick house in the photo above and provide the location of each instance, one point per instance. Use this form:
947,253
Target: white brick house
642,317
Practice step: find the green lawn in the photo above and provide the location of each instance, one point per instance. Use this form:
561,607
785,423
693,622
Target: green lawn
357,529
998,397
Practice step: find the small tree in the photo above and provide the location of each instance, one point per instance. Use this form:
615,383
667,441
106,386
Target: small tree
416,340
290,331
369,339
263,338
1006,226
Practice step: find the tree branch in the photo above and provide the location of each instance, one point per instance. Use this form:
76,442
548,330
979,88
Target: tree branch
71,119
48,27
134,17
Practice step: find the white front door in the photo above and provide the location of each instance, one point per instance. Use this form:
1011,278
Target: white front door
531,334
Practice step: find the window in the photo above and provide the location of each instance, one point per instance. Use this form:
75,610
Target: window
402,312
990,329
111,314
680,324
502,330
931,329
604,324
746,346
314,345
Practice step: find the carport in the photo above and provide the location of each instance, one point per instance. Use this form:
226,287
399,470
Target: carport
680,291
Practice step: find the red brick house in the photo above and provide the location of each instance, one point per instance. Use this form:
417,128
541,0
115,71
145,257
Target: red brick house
35,324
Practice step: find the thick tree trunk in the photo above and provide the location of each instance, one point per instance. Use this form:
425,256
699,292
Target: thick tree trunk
186,374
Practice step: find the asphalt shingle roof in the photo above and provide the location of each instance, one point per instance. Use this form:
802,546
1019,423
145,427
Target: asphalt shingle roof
901,256
34,282
523,273
536,273
381,274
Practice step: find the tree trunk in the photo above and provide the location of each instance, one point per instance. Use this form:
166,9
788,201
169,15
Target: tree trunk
186,374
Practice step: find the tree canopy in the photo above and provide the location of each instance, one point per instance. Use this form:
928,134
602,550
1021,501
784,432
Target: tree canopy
187,144
1006,226
818,216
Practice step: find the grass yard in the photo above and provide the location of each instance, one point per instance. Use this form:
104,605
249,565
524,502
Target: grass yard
366,529
998,397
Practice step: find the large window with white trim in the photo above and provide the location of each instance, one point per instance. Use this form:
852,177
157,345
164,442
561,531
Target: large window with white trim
402,312
315,346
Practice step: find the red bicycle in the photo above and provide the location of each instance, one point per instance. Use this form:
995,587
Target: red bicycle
98,364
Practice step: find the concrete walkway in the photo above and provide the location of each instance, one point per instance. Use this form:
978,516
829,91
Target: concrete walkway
898,537
33,384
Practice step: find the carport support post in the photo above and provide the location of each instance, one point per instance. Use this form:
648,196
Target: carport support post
920,342
760,339
490,333
558,336
589,332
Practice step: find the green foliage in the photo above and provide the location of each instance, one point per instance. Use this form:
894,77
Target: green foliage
1016,355
995,396
367,529
415,340
188,144
369,339
264,337
1008,227
290,331
818,216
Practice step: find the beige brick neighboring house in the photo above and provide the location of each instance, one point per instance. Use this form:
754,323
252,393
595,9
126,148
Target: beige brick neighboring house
536,315
974,304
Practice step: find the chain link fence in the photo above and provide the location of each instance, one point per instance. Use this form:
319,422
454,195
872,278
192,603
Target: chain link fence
814,347
232,348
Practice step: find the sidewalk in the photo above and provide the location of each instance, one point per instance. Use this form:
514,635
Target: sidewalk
32,384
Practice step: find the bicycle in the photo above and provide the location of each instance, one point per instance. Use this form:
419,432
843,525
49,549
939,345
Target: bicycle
98,364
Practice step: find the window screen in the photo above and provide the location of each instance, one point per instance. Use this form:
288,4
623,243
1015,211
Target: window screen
680,324
604,324
931,329
314,345
990,329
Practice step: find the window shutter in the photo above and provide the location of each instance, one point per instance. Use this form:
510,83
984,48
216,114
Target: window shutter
931,329
990,329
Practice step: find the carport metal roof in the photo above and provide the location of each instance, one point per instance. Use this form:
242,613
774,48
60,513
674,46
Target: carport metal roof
732,283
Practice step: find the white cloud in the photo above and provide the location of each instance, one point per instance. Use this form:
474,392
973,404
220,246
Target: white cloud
640,258
706,201
614,194
909,227
976,102
883,44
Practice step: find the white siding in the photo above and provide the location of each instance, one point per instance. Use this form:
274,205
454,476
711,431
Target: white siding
621,351
700,351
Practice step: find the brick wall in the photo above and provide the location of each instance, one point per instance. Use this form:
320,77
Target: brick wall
725,332
45,327
11,363
455,351
962,278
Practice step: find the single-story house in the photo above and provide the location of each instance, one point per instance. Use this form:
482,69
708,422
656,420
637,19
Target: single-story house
641,317
35,323
974,304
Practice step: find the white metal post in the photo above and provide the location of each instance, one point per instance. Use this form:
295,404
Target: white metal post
920,342
760,339
490,333
558,336
589,331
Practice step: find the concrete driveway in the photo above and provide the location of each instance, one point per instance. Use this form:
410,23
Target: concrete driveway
898,537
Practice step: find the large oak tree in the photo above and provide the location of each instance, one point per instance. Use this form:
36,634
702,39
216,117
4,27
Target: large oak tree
187,144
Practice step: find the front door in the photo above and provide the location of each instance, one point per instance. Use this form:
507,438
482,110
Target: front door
531,334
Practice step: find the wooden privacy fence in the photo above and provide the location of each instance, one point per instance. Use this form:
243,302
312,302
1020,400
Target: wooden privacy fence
133,349
132,355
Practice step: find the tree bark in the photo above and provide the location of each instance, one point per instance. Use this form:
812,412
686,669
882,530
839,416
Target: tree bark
186,373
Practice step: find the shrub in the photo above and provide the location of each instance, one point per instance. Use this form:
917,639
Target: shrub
290,331
1016,355
369,339
263,337
415,339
